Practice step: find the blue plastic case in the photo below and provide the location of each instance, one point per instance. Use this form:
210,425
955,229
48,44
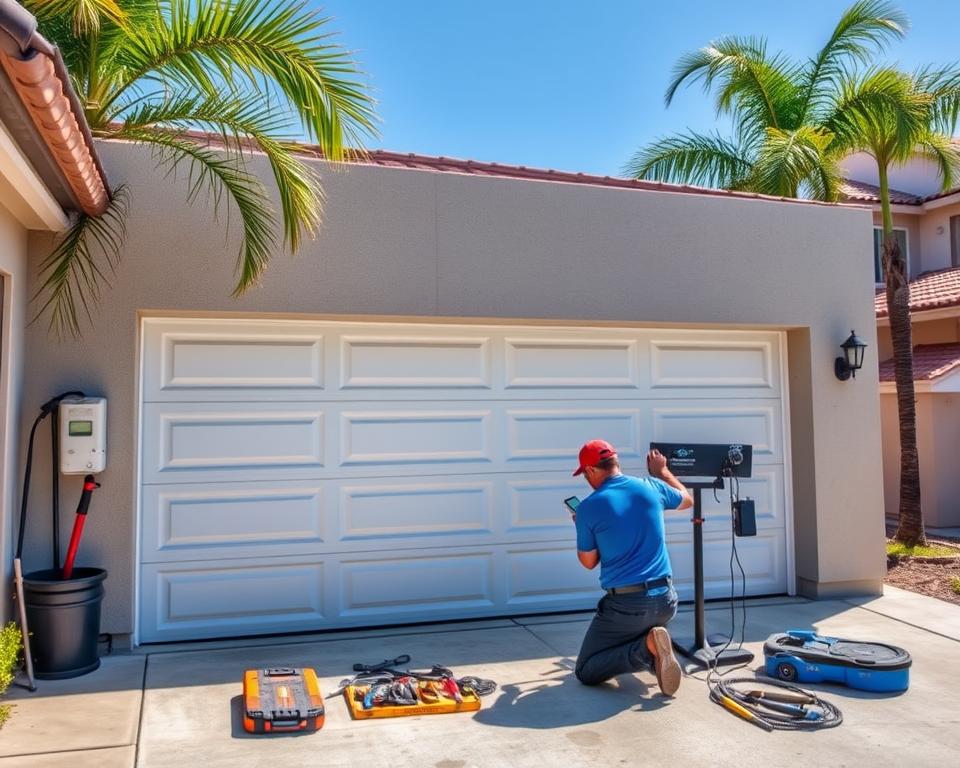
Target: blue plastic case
802,656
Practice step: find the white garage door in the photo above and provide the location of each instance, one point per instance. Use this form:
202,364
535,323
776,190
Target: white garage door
304,475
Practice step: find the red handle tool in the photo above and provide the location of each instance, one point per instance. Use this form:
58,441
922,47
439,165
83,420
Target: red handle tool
89,486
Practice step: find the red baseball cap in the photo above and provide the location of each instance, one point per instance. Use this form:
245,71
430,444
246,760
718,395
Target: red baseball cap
593,453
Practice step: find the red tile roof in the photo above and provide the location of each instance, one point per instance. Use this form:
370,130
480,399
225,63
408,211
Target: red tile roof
932,290
930,361
477,168
388,159
851,189
40,79
860,191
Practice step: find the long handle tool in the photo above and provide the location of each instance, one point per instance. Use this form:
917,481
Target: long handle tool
89,486
24,630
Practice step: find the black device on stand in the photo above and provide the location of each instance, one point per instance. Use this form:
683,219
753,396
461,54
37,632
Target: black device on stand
716,461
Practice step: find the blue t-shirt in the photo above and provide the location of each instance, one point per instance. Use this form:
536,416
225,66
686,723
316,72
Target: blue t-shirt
623,519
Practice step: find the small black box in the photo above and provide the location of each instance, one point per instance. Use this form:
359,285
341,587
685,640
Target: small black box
744,518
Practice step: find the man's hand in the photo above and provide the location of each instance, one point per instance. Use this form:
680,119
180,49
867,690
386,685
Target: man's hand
657,466
656,463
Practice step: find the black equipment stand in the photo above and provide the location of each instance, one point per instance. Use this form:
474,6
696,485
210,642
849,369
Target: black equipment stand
703,651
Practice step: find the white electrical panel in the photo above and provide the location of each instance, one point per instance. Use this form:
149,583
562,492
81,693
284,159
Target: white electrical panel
83,435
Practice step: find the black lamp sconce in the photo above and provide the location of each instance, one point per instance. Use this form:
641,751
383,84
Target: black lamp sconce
852,360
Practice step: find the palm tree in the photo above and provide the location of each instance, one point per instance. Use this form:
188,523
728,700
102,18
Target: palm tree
254,73
794,122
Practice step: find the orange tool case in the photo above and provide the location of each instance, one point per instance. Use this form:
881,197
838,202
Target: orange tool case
281,699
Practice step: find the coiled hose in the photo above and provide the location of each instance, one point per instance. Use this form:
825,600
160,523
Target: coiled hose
774,705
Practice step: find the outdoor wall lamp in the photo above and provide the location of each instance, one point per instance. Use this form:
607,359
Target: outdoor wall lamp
852,360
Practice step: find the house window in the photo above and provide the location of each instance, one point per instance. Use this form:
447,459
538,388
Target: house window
901,235
955,241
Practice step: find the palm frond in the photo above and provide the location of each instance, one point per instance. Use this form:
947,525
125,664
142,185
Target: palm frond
945,152
282,46
75,273
245,122
880,110
943,85
791,163
691,158
219,174
865,28
85,16
758,89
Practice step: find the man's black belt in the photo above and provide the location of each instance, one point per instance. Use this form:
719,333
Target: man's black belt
640,588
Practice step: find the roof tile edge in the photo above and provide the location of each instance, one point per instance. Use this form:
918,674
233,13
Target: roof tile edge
41,83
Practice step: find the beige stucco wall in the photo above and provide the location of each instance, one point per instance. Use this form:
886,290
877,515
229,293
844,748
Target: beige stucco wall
13,270
412,243
936,244
929,249
938,331
938,425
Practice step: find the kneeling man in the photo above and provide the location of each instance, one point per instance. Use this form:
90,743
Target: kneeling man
620,526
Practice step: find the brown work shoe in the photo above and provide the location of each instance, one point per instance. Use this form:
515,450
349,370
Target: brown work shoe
665,664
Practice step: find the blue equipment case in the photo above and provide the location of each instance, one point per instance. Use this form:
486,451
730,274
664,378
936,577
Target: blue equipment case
802,656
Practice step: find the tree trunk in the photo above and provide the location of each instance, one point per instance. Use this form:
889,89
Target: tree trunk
910,530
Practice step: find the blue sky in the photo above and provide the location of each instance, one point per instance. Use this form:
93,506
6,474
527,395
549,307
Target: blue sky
572,85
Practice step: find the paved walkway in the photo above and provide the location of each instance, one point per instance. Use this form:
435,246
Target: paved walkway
179,707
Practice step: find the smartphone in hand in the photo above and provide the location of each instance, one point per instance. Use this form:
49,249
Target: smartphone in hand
572,503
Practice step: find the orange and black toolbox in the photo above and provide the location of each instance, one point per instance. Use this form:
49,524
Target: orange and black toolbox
281,700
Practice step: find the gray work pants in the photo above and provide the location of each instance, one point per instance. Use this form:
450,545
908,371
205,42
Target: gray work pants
616,641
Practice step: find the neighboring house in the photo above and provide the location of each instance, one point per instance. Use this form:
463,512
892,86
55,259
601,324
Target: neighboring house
383,431
927,221
935,317
48,168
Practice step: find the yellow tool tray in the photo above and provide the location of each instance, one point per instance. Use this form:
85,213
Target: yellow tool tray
354,696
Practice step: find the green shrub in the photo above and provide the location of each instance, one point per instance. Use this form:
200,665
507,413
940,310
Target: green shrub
932,550
955,584
10,645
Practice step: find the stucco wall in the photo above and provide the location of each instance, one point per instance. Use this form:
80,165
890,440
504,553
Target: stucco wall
936,243
938,424
923,332
946,423
413,243
13,270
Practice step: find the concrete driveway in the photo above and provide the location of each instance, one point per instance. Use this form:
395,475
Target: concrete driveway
179,707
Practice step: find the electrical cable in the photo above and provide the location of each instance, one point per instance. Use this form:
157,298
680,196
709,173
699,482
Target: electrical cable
776,705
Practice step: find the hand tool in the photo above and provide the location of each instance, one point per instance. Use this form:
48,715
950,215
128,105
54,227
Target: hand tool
89,486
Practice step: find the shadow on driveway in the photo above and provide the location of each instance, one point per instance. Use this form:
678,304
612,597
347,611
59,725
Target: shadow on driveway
557,699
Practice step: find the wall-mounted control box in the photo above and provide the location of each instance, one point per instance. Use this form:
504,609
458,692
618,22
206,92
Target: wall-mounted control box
83,435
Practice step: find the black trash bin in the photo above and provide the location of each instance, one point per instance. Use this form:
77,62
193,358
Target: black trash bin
64,620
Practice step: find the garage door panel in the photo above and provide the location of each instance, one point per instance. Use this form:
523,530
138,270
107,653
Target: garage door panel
763,561
233,360
229,520
266,595
765,488
577,363
374,512
535,506
742,368
212,441
549,576
415,362
415,436
558,433
429,583
756,423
